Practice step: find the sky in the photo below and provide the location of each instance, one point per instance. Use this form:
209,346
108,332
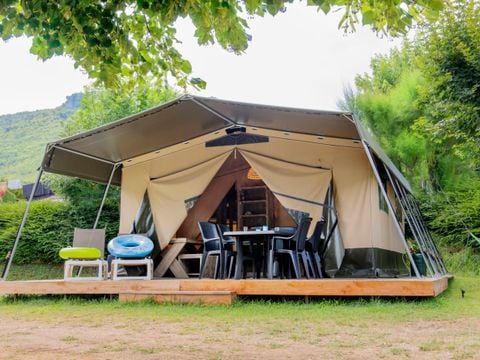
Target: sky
299,58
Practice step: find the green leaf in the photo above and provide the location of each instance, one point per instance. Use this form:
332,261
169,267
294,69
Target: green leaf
368,17
146,56
186,67
436,4
198,83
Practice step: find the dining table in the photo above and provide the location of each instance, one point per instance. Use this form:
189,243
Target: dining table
259,236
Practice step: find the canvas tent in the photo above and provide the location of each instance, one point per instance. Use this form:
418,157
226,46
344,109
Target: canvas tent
170,154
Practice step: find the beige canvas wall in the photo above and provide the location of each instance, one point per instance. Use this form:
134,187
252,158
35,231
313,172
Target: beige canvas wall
361,223
385,234
135,180
136,177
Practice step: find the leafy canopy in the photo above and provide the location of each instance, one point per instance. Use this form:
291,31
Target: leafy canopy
450,62
119,42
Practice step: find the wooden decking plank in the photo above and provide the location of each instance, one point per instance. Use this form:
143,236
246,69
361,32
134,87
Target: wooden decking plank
327,287
43,287
321,287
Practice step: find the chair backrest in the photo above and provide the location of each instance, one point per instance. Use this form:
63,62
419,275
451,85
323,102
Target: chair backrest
301,234
315,239
94,238
285,230
224,228
210,235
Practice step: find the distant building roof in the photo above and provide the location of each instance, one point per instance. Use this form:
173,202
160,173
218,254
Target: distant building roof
14,184
42,192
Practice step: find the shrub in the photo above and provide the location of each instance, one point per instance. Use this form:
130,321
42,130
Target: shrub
49,227
448,213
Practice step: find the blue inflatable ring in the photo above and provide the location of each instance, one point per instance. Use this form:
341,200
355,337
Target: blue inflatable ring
130,246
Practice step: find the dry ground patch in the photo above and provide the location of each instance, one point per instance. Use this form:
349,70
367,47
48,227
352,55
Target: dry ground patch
53,328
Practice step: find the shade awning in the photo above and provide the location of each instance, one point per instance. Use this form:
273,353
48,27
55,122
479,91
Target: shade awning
91,155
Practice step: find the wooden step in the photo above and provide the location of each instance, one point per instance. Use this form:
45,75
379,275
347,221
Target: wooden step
181,297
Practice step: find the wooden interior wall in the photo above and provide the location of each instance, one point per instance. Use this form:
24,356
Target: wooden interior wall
233,172
282,218
226,177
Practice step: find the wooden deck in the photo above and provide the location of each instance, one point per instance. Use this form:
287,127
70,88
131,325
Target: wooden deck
191,289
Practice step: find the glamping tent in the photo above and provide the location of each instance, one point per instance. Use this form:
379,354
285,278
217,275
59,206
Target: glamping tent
181,160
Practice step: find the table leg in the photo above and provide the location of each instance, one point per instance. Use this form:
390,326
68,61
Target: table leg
178,270
168,257
270,259
239,258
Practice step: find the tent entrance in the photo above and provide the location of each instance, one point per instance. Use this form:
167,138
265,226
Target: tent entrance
235,198
226,213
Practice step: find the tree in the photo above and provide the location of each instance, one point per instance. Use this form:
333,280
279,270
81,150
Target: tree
422,103
449,58
100,106
386,102
123,41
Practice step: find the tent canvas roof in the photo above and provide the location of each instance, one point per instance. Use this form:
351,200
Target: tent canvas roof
91,155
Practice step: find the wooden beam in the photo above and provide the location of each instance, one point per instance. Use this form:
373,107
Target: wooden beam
207,204
326,287
44,287
426,287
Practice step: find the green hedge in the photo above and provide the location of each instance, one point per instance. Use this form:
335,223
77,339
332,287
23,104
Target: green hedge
448,213
49,227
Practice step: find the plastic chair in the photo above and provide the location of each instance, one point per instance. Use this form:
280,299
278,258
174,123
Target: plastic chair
228,242
213,246
87,238
294,247
313,248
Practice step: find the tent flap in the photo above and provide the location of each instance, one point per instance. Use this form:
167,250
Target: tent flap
171,196
299,188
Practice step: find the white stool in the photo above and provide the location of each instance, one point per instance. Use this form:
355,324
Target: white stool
99,264
132,262
183,258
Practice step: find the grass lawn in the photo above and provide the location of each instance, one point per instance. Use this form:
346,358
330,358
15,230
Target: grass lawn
446,327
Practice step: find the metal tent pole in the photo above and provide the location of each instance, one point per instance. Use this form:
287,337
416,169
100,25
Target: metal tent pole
411,222
105,192
429,240
22,224
390,207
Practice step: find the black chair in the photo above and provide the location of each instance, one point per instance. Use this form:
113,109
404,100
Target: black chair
294,247
239,256
313,246
213,246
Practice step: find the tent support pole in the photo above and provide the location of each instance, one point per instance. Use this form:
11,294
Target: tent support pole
435,257
105,192
10,256
411,221
390,207
429,236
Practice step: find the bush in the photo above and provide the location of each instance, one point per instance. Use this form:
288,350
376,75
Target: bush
464,262
49,227
446,214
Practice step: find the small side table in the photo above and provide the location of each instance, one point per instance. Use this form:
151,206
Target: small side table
132,262
100,264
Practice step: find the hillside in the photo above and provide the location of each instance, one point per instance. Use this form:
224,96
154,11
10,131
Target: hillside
24,136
